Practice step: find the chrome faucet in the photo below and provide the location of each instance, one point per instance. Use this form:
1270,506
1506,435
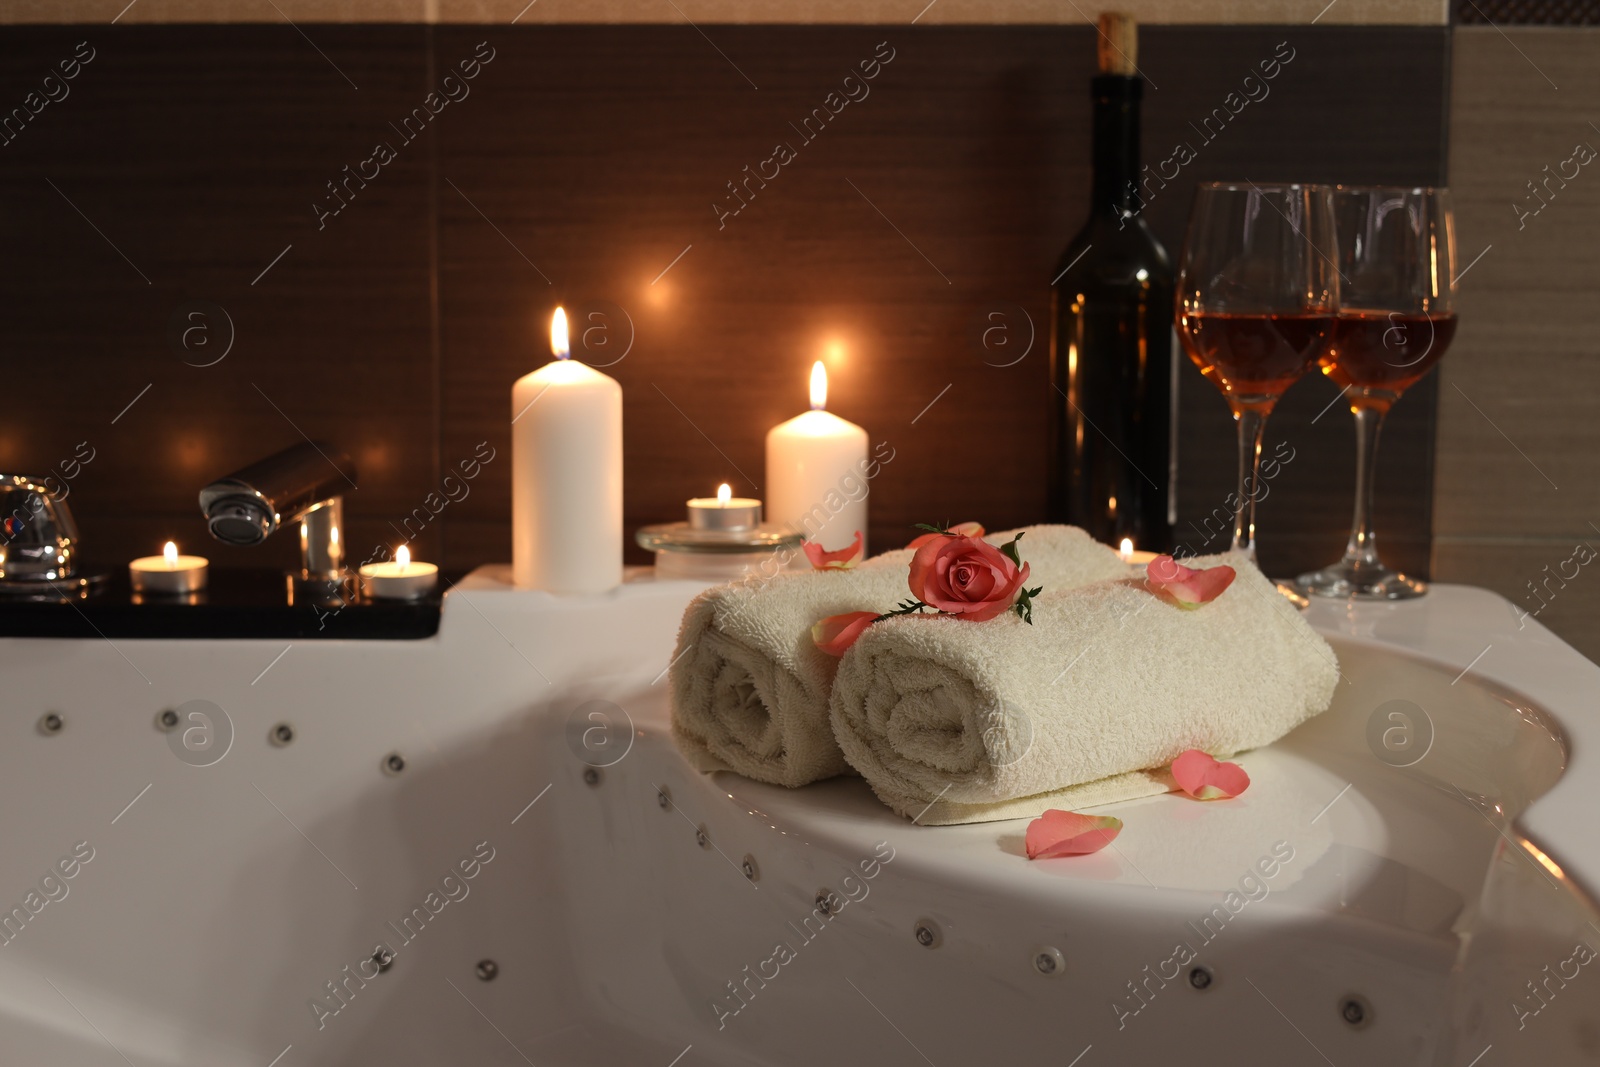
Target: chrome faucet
39,542
304,483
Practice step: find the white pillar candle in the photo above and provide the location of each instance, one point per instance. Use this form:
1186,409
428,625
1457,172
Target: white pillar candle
566,475
816,472
168,572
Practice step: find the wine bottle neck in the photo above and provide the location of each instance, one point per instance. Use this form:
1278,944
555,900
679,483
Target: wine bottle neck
1116,143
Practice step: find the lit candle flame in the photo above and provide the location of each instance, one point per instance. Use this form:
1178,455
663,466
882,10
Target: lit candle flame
558,335
169,552
724,494
1126,551
819,386
402,556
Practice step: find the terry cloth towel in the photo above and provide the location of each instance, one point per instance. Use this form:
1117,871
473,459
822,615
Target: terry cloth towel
750,689
952,721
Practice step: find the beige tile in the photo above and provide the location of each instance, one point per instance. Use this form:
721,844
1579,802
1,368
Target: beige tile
1519,436
155,11
1531,575
889,12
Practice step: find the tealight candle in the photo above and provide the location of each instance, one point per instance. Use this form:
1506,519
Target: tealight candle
399,580
724,511
168,572
1128,555
815,467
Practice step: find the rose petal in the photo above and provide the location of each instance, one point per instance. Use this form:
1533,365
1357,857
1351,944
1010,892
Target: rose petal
835,634
1205,778
961,529
1188,586
1069,833
838,559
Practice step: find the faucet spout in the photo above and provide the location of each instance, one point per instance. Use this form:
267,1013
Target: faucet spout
302,484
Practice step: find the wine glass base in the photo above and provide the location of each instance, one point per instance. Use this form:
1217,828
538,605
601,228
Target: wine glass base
1360,582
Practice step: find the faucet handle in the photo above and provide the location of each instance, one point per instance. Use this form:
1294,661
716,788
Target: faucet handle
39,540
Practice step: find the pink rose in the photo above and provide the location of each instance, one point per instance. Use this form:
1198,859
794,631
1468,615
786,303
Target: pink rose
966,576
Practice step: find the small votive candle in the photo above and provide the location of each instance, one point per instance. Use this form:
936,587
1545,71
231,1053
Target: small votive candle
1128,555
400,579
168,572
724,512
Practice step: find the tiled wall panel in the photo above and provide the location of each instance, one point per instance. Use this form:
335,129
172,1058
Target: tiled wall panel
578,165
1518,479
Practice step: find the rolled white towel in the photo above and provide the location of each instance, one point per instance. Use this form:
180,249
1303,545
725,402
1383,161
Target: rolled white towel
953,721
749,687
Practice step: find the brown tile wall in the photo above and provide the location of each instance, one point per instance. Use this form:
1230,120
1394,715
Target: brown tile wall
1240,12
1517,490
187,158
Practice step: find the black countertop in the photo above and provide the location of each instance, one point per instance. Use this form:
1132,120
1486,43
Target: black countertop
235,604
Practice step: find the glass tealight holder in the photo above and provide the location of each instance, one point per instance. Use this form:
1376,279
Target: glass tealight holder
684,550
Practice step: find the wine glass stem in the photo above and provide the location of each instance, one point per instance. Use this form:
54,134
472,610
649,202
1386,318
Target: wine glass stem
1362,550
1252,423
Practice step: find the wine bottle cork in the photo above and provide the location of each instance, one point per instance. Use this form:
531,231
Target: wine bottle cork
1118,47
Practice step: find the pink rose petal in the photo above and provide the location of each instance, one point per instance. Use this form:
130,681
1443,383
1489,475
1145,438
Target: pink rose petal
835,634
1205,778
1189,587
963,529
1068,833
838,559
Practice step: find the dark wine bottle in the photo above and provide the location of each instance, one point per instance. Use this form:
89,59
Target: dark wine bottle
1112,465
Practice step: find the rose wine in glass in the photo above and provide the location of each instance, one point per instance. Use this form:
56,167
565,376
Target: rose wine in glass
1378,355
1397,258
1258,292
1256,355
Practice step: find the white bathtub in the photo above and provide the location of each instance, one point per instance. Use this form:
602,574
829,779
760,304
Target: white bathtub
225,915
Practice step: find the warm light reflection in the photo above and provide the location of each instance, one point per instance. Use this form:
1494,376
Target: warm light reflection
169,552
558,335
375,457
191,452
1544,861
1433,263
819,386
1126,550
402,556
724,494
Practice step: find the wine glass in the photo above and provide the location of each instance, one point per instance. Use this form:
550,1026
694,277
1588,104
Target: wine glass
1258,290
1396,319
